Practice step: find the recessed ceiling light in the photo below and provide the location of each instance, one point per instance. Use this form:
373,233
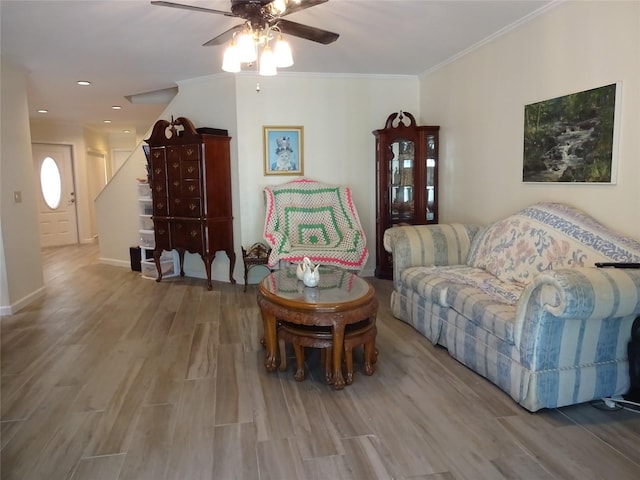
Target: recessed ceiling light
43,110
116,107
107,121
83,82
126,131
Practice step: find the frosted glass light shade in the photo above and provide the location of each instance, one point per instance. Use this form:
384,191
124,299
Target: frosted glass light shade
231,61
282,52
267,62
247,48
279,6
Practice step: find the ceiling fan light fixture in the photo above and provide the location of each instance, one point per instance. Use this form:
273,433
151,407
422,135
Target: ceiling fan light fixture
231,59
282,52
267,62
262,22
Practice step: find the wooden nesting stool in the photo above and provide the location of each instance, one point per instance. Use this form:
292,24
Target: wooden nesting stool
301,336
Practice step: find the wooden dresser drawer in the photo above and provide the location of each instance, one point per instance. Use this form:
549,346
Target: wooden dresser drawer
189,169
186,207
188,235
162,231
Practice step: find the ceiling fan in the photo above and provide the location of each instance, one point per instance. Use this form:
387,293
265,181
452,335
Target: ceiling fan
262,15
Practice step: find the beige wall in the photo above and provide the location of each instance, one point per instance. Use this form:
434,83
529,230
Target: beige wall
479,102
20,260
338,114
117,211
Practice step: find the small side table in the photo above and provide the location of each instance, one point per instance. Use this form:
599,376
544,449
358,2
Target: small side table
256,255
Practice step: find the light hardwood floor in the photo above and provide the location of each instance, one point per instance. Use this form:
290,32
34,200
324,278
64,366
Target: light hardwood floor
111,376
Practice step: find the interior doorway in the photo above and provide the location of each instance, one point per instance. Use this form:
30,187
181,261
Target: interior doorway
53,167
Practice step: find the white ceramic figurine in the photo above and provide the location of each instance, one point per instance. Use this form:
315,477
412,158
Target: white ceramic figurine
311,275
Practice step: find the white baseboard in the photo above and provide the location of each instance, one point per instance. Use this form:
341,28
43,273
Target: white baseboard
114,262
23,302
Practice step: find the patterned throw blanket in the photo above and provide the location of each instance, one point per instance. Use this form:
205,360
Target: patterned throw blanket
316,220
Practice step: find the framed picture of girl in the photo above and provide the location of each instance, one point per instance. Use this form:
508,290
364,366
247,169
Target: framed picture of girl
283,150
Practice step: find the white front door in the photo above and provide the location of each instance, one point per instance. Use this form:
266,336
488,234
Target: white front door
53,167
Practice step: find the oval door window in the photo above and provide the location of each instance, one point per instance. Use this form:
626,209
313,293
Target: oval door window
50,182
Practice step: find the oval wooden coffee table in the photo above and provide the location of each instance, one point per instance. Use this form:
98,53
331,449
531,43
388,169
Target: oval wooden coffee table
341,298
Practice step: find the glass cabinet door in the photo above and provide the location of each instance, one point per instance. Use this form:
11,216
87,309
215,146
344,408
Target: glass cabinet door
431,177
401,181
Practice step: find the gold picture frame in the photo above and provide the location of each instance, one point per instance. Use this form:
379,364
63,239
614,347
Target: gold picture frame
283,148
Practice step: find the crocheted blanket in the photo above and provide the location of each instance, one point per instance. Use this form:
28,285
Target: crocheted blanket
316,220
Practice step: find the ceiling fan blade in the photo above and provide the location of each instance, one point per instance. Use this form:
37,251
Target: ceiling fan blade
293,7
191,7
223,37
308,33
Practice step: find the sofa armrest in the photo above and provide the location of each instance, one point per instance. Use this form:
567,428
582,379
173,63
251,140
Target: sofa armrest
425,245
584,294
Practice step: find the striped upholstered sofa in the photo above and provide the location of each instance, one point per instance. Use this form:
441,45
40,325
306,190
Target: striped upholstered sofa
521,301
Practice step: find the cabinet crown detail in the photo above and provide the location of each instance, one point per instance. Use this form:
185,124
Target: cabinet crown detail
398,120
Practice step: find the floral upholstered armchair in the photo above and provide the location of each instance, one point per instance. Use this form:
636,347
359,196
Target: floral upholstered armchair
306,218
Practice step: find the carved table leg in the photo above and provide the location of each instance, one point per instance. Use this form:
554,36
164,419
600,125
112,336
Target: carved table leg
338,347
327,361
348,356
299,351
370,354
270,339
282,346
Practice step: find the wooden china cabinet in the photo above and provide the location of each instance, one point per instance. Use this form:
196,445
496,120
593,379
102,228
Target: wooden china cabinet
407,180
190,178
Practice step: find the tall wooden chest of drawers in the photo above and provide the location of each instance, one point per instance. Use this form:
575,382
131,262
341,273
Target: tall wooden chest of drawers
190,178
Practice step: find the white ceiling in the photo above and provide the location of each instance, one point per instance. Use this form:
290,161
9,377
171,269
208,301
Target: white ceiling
129,47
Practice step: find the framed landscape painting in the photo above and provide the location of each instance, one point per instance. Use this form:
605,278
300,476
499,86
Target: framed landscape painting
283,150
572,138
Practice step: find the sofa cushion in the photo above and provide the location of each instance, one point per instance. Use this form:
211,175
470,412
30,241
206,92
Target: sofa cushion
432,283
484,311
479,296
547,236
